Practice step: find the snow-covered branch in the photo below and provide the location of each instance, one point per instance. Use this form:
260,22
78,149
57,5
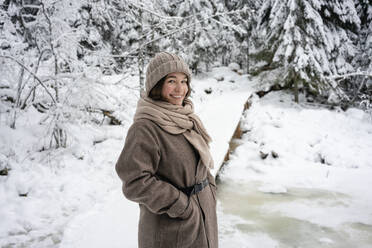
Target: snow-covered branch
338,77
153,13
31,73
134,51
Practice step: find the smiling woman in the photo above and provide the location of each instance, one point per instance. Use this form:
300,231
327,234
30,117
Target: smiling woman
172,88
175,88
165,162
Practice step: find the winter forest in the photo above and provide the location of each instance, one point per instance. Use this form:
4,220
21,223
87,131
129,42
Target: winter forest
71,73
52,50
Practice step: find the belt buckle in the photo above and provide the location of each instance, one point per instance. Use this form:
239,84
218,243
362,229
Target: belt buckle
198,187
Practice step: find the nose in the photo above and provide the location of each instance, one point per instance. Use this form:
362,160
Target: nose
178,86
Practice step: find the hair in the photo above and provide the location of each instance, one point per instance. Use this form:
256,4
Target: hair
155,93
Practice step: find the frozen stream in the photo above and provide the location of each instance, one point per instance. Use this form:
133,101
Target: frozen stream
299,177
247,220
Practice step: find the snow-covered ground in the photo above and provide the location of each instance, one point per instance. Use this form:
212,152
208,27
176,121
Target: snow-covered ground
60,184
312,189
316,189
66,186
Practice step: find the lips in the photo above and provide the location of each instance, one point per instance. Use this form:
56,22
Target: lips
176,96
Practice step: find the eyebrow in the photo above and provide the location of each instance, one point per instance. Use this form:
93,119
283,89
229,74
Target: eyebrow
175,77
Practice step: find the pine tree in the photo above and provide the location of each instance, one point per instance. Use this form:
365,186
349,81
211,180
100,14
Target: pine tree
362,90
244,21
201,32
301,43
364,8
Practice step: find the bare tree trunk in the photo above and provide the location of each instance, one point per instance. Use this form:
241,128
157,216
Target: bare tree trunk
248,36
141,69
207,66
295,88
247,54
50,40
58,133
33,89
18,99
141,60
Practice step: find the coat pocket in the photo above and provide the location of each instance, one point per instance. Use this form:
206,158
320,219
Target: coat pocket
191,227
168,231
181,231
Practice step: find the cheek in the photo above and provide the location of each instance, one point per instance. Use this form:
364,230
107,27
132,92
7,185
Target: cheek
186,88
166,90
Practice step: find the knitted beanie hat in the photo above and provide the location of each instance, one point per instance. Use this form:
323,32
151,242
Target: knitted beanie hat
161,65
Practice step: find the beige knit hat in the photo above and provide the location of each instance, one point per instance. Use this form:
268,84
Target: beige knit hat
161,65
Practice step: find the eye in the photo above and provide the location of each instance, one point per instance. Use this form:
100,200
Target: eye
184,81
171,81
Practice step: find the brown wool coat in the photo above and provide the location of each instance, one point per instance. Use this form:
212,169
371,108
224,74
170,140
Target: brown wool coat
152,166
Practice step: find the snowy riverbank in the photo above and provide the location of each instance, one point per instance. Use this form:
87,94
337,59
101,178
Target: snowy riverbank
313,187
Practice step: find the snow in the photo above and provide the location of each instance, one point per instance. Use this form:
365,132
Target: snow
316,177
228,118
60,184
104,226
272,188
234,66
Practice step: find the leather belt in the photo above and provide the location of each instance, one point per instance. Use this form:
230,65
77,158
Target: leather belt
196,188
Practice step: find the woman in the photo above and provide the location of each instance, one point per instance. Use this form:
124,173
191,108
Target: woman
165,162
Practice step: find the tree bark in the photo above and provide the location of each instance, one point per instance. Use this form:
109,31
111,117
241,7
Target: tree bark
18,99
295,88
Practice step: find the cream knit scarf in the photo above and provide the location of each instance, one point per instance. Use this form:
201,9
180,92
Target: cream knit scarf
177,119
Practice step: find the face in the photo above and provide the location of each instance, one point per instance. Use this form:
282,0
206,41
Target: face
175,88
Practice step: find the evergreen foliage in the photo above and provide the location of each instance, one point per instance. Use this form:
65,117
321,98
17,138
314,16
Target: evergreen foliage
361,86
243,34
52,50
302,43
202,30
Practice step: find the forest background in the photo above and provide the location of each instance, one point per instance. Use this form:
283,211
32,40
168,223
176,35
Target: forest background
53,51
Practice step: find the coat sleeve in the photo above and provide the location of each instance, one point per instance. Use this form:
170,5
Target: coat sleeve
137,166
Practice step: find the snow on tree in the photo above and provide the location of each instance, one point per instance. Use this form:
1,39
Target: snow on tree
301,43
362,90
43,68
243,21
97,35
201,32
21,53
364,41
50,51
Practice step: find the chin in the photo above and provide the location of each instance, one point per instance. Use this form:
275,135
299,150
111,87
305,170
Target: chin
178,102
174,101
